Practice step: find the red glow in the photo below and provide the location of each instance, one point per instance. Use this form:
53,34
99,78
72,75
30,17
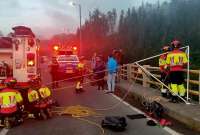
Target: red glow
74,48
56,48
30,63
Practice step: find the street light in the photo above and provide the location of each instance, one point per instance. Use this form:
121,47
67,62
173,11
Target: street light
80,15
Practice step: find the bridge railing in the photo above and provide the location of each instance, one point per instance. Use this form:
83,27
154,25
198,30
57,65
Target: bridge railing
131,72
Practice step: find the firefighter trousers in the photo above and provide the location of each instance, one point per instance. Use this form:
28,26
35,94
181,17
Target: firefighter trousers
177,83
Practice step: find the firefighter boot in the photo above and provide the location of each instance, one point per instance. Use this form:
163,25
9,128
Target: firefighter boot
164,92
78,87
174,99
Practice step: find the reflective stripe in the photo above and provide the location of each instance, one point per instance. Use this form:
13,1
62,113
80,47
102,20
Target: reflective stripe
33,95
176,60
8,110
44,92
7,106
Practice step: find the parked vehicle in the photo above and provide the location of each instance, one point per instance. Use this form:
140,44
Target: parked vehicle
68,64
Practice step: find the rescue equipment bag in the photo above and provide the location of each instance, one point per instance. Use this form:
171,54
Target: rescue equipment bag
115,123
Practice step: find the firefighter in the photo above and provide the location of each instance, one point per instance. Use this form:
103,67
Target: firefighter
45,94
54,72
33,98
163,71
176,61
81,70
11,101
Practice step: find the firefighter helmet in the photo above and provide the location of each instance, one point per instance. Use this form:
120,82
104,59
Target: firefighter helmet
10,82
175,44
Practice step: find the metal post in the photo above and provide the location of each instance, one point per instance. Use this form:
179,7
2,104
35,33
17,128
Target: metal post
188,72
80,15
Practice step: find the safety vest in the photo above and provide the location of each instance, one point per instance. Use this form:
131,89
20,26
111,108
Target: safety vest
162,62
80,66
32,95
9,99
176,60
44,92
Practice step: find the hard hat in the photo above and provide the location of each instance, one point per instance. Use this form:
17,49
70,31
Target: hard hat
10,81
166,48
175,44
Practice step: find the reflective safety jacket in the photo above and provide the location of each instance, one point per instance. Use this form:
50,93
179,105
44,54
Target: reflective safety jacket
162,62
33,95
80,66
8,100
81,69
44,92
176,60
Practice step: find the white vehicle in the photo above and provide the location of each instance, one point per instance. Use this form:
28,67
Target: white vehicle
68,63
22,56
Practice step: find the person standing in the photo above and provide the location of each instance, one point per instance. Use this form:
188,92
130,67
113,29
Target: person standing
176,61
119,58
93,61
163,71
112,70
54,72
100,72
80,75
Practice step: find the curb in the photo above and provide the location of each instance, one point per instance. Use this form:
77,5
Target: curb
190,122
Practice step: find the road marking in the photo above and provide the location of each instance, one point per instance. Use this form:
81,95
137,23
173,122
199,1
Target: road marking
169,130
4,131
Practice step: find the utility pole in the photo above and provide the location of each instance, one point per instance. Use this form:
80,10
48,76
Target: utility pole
80,14
80,24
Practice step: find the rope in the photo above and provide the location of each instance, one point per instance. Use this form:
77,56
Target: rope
80,112
122,99
68,87
77,111
106,108
76,77
93,123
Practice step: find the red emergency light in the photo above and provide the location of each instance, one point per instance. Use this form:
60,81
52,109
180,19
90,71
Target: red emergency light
56,48
74,48
30,59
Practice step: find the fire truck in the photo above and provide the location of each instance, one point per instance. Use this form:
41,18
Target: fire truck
22,58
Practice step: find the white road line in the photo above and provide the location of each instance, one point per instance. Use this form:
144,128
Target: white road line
169,130
4,131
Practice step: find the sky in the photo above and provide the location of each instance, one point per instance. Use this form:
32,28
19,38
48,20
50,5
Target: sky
49,17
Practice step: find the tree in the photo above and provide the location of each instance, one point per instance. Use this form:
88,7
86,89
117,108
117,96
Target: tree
144,30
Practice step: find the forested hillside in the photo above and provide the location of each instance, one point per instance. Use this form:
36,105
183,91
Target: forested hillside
142,31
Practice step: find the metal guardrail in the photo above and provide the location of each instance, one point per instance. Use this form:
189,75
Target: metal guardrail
131,72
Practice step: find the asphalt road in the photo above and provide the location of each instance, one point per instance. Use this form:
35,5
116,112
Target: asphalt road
66,125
